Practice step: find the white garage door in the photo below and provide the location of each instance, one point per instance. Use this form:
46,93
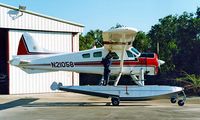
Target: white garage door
21,82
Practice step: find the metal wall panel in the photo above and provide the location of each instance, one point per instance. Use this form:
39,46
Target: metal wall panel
14,19
21,82
76,49
76,43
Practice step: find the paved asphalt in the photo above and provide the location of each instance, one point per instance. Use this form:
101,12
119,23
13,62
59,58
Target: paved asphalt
70,106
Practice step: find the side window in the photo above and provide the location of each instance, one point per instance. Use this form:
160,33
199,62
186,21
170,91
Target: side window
97,54
115,56
87,55
129,54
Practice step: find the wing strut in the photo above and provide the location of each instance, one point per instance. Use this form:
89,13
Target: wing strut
121,64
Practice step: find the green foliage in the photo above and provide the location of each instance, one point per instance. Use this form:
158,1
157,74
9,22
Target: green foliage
188,44
142,42
117,26
179,40
85,42
198,12
164,34
194,79
91,39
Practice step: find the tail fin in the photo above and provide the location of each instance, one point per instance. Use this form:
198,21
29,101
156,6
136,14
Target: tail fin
28,46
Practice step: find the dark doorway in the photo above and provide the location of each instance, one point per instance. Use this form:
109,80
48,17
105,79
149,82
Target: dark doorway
4,67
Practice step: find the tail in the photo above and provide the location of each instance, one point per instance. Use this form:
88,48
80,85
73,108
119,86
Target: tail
29,46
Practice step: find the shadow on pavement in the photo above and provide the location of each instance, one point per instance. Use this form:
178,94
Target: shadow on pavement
74,104
15,103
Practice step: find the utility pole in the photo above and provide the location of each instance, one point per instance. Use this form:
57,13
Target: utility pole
157,48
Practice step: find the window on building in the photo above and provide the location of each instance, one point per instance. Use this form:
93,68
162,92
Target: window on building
97,54
86,55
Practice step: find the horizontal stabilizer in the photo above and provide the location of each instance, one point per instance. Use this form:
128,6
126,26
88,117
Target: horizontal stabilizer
15,61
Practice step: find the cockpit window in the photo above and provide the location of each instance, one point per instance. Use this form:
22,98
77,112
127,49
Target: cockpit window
87,55
97,54
129,54
115,56
135,50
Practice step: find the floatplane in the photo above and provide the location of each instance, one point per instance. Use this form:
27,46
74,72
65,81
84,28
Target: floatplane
126,60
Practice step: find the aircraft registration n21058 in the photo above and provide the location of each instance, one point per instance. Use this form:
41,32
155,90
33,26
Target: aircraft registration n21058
62,64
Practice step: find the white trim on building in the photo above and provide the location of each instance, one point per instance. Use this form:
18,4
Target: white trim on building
15,18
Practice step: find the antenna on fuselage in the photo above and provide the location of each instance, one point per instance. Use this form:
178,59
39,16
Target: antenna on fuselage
97,41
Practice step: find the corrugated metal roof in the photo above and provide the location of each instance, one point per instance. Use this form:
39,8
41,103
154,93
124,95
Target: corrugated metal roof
41,15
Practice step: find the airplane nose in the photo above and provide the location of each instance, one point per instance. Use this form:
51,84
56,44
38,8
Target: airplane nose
161,62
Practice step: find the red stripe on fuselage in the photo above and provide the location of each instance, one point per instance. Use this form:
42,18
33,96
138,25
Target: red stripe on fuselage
98,63
117,63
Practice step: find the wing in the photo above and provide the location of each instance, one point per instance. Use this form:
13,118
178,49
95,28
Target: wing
117,39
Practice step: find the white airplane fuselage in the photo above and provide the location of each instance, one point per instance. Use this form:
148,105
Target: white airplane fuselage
87,61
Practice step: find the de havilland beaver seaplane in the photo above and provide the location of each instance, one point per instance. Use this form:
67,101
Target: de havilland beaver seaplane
124,60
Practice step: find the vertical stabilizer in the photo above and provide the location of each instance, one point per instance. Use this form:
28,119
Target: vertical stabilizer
28,46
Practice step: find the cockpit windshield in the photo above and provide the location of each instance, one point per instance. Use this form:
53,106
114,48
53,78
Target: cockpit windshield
135,51
115,56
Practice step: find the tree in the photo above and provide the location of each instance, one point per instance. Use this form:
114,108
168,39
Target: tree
198,12
96,36
164,34
92,38
188,32
142,42
117,26
85,42
179,40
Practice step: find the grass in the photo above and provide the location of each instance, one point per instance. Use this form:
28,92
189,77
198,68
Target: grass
193,79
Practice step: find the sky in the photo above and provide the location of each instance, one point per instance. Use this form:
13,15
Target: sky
103,14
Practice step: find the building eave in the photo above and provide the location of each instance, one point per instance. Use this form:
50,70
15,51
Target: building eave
44,16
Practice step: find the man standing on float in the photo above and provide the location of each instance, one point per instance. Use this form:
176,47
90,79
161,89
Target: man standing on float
107,61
